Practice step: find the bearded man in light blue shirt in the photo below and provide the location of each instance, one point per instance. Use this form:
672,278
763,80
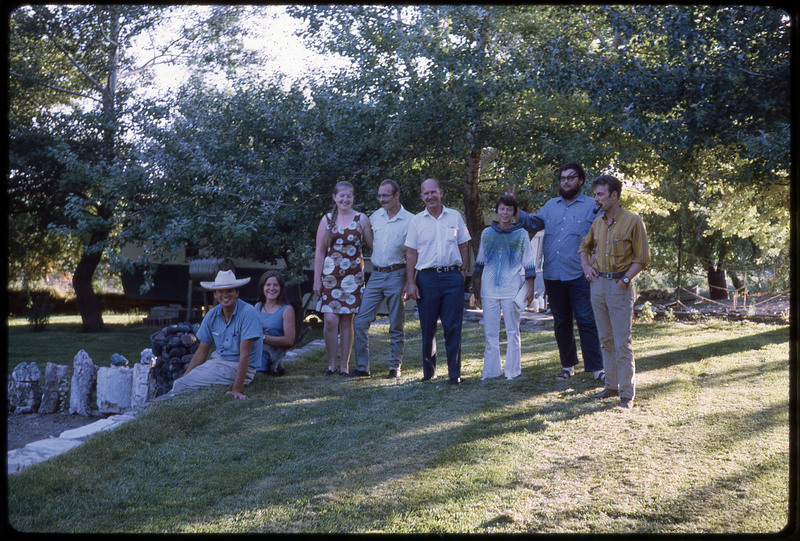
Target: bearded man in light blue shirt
566,220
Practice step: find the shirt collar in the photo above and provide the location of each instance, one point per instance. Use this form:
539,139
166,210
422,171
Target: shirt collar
582,197
399,216
615,216
444,210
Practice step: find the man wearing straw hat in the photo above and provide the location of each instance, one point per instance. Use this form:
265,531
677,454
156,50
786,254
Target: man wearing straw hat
233,327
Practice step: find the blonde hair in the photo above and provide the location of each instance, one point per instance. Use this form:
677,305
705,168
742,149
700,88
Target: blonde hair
341,185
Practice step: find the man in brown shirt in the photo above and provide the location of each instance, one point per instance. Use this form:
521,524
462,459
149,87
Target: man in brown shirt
618,240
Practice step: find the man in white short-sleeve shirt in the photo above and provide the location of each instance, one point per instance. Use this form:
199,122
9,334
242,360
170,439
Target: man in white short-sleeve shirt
387,280
436,262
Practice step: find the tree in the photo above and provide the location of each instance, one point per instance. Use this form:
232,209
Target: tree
73,73
707,90
460,86
495,93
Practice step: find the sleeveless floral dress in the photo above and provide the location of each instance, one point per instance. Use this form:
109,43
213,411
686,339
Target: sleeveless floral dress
343,270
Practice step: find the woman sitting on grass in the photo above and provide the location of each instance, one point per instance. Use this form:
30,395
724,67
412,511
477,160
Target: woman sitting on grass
276,316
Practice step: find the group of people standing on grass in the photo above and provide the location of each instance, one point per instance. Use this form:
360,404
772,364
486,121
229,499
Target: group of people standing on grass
593,249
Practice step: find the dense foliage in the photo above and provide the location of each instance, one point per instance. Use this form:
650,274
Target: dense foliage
689,105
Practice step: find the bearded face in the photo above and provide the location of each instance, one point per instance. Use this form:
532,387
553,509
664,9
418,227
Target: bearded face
569,192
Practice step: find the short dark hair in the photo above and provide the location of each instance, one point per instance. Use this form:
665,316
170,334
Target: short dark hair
508,200
576,167
279,277
395,186
613,184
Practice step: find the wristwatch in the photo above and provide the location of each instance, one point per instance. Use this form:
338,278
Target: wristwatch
626,280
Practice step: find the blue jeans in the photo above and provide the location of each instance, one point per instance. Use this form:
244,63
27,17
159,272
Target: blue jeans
389,286
441,296
572,299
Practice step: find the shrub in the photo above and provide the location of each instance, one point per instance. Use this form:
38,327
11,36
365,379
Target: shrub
646,314
39,310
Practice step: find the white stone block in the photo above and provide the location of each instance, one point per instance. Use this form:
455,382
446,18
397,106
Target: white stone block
83,432
114,385
143,386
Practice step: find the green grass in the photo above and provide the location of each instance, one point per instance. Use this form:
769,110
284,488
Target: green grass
62,340
705,450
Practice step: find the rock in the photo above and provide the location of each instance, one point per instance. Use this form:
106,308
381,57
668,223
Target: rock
56,381
84,381
26,373
177,352
147,357
23,396
118,360
143,385
114,385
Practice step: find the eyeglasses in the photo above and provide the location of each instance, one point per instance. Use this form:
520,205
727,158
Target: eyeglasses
568,179
385,195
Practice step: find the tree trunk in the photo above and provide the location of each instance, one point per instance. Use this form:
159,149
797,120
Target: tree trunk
717,278
88,305
473,214
717,284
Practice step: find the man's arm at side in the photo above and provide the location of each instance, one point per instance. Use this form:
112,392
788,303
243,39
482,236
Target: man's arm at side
410,290
245,348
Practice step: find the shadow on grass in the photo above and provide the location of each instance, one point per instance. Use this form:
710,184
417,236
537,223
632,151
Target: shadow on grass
309,448
716,349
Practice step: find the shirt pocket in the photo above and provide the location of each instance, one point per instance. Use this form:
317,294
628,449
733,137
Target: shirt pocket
577,226
452,235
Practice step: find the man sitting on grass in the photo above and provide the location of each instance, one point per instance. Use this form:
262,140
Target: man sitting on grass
233,327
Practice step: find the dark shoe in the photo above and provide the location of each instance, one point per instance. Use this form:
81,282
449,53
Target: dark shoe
344,374
361,373
626,403
565,374
455,381
329,372
606,393
428,378
394,373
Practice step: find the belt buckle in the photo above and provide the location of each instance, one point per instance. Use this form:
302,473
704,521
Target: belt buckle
609,276
441,270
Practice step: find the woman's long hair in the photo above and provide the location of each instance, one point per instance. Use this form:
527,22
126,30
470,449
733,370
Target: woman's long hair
341,185
262,297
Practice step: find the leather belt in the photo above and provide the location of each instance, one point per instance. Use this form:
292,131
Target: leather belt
441,270
612,275
390,268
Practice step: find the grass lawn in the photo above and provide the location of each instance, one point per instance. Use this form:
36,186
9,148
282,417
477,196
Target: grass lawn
705,449
62,340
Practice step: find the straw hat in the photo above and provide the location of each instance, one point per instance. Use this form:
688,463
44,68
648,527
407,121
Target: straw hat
225,280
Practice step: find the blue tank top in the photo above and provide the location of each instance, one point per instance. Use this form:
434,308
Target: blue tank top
271,324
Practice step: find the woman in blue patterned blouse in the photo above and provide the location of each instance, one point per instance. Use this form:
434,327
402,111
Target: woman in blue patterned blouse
505,260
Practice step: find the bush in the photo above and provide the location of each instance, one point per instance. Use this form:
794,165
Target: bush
646,314
39,310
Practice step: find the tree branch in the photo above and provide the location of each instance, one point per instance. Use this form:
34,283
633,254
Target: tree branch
75,63
58,88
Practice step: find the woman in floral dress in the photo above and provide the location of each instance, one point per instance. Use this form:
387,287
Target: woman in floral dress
339,273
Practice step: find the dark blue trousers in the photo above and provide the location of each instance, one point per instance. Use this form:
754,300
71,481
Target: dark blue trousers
568,299
441,296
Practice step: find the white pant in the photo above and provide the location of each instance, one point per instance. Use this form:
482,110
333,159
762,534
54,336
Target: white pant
492,365
214,371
